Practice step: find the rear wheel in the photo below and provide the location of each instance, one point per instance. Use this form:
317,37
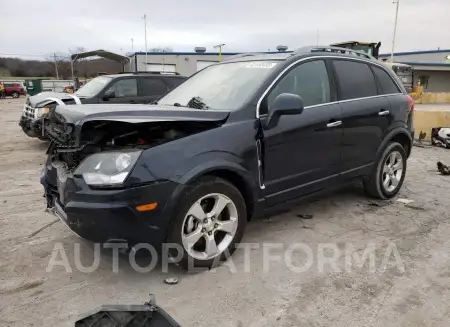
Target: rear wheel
389,173
209,223
15,94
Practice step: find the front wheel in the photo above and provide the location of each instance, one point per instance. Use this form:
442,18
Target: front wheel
15,95
209,223
389,173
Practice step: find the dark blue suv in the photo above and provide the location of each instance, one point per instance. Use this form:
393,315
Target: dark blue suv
237,140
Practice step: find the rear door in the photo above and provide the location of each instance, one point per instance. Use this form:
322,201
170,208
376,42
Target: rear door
365,115
124,90
151,88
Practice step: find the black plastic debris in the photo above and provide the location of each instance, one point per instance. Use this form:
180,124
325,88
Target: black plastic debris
146,315
443,169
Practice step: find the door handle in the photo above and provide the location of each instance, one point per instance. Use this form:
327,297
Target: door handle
384,113
334,124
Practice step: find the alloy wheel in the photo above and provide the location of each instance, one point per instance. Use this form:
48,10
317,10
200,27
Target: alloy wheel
392,171
209,226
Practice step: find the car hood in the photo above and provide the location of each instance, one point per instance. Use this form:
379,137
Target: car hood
40,98
79,114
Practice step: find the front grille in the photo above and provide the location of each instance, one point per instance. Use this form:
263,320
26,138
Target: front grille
29,112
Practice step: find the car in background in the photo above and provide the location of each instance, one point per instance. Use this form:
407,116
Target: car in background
125,88
14,90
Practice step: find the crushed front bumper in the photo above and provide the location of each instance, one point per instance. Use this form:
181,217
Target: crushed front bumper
31,127
102,215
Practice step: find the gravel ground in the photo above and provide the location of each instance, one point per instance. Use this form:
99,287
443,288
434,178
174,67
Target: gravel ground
410,289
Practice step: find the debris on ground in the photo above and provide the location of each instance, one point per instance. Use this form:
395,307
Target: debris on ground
415,207
43,228
405,201
171,281
305,216
443,169
420,142
379,203
440,137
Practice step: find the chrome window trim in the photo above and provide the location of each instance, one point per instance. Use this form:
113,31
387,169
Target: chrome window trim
269,88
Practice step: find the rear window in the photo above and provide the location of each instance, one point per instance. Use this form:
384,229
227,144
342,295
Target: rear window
355,79
152,86
388,86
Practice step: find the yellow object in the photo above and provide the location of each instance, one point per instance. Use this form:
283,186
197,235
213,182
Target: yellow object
425,120
147,207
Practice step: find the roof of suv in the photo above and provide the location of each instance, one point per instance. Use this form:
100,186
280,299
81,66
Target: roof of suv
312,50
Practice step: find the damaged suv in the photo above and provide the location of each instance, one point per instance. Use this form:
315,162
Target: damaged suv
239,139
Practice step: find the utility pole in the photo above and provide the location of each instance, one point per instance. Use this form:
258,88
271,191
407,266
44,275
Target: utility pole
219,46
145,33
132,45
397,2
56,66
317,41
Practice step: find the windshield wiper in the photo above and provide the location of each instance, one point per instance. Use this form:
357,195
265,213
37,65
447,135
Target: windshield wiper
197,103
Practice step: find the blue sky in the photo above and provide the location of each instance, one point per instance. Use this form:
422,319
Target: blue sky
43,27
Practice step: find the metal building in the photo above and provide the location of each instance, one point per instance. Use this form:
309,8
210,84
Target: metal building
431,68
184,63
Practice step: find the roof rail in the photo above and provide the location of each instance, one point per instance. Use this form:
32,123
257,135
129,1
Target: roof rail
327,48
156,73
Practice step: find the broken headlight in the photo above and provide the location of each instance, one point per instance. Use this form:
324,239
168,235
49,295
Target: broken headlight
107,168
42,111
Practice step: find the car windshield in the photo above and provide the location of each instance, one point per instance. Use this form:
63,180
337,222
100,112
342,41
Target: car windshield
220,87
93,87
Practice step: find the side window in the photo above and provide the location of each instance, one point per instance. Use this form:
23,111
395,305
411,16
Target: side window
152,86
355,80
124,88
309,80
388,86
173,82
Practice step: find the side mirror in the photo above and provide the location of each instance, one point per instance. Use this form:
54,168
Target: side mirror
108,95
284,104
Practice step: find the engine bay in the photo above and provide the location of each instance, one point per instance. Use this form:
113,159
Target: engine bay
98,136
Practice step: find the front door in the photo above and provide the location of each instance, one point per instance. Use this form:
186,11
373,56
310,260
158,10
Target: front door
302,152
123,90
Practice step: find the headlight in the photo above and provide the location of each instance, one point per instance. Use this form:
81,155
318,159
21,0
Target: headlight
107,168
42,111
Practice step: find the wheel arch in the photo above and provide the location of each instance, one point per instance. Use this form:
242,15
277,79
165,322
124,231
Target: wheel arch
399,135
231,172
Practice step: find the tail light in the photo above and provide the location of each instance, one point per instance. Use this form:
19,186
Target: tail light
410,102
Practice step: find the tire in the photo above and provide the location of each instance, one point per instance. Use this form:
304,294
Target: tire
207,191
374,185
15,94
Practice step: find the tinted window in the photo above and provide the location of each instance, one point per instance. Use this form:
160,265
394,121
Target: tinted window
388,86
355,80
152,86
125,88
173,82
309,80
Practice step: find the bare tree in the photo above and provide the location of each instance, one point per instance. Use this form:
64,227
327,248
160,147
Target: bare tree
161,49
